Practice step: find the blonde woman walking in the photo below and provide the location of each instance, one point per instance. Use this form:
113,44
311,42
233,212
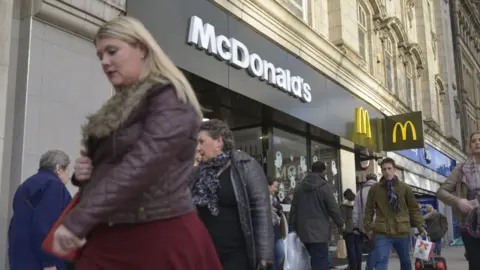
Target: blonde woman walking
136,211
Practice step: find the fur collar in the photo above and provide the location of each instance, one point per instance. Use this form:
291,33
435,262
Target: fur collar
115,111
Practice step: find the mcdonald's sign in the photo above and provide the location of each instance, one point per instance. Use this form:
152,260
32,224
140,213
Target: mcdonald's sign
404,131
362,122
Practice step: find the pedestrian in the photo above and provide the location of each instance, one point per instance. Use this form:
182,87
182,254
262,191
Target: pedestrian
278,224
135,209
312,207
460,192
368,238
352,238
37,204
437,227
393,204
230,190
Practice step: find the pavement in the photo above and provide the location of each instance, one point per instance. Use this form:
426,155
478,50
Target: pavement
454,256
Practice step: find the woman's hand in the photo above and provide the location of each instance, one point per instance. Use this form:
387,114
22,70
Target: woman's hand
64,241
464,206
83,167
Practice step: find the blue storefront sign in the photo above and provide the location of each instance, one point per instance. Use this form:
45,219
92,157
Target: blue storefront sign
430,158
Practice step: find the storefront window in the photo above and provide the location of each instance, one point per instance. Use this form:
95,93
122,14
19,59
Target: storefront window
249,141
290,162
329,156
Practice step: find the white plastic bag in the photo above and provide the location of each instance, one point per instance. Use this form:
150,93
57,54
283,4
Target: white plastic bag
423,249
296,255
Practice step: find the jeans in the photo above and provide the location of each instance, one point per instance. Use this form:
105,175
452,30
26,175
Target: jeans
354,251
279,254
318,255
438,247
472,247
382,252
371,260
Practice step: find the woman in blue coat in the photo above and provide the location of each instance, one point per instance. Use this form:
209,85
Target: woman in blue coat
37,204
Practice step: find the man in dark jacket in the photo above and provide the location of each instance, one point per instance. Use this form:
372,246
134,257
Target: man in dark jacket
312,207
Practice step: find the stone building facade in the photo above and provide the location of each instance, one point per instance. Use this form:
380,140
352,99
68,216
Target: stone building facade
395,55
466,37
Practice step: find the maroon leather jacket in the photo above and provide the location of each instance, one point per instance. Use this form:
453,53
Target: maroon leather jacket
142,167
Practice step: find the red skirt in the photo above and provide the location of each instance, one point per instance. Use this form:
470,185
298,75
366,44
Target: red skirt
181,243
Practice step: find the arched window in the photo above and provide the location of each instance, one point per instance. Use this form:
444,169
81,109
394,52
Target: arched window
409,86
388,64
362,32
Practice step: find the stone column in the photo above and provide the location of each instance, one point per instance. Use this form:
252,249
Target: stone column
6,16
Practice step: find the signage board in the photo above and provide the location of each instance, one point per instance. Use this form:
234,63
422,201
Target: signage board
431,158
236,53
403,131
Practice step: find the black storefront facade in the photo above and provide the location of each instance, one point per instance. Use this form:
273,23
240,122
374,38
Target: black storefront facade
282,111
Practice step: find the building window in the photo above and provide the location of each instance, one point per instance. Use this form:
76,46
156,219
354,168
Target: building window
409,87
388,65
362,31
298,7
290,162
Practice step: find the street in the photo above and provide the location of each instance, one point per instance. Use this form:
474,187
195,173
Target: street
453,255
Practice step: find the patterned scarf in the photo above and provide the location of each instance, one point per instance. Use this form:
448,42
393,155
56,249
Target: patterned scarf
392,195
205,189
472,177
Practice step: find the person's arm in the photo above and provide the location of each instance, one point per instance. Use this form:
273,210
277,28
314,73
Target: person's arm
260,210
413,210
333,207
447,190
167,130
357,209
369,210
45,214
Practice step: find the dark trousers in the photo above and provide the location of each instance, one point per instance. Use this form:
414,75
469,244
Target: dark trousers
472,247
354,251
70,265
318,255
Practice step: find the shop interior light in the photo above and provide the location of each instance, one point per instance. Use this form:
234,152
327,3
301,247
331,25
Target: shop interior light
205,119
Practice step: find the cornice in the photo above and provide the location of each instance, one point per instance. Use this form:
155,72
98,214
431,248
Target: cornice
472,10
72,18
415,50
396,26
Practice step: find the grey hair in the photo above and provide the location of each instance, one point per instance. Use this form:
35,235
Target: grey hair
217,128
53,158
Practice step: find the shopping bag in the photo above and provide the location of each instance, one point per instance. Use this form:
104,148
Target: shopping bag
423,249
47,245
296,255
341,248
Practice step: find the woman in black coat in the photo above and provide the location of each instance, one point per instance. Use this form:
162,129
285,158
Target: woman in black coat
231,193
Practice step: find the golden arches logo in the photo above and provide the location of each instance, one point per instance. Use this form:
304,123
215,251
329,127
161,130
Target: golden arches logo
403,129
362,122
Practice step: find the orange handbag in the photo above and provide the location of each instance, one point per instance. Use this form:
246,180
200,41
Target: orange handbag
48,241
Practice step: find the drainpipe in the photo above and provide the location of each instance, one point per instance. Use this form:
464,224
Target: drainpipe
458,69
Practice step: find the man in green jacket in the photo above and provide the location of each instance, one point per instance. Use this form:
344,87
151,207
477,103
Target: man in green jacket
394,207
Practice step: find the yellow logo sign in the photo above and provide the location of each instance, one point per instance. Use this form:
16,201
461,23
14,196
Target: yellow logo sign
362,122
403,129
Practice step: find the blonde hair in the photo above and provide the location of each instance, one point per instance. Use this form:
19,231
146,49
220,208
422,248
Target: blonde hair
157,64
429,208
